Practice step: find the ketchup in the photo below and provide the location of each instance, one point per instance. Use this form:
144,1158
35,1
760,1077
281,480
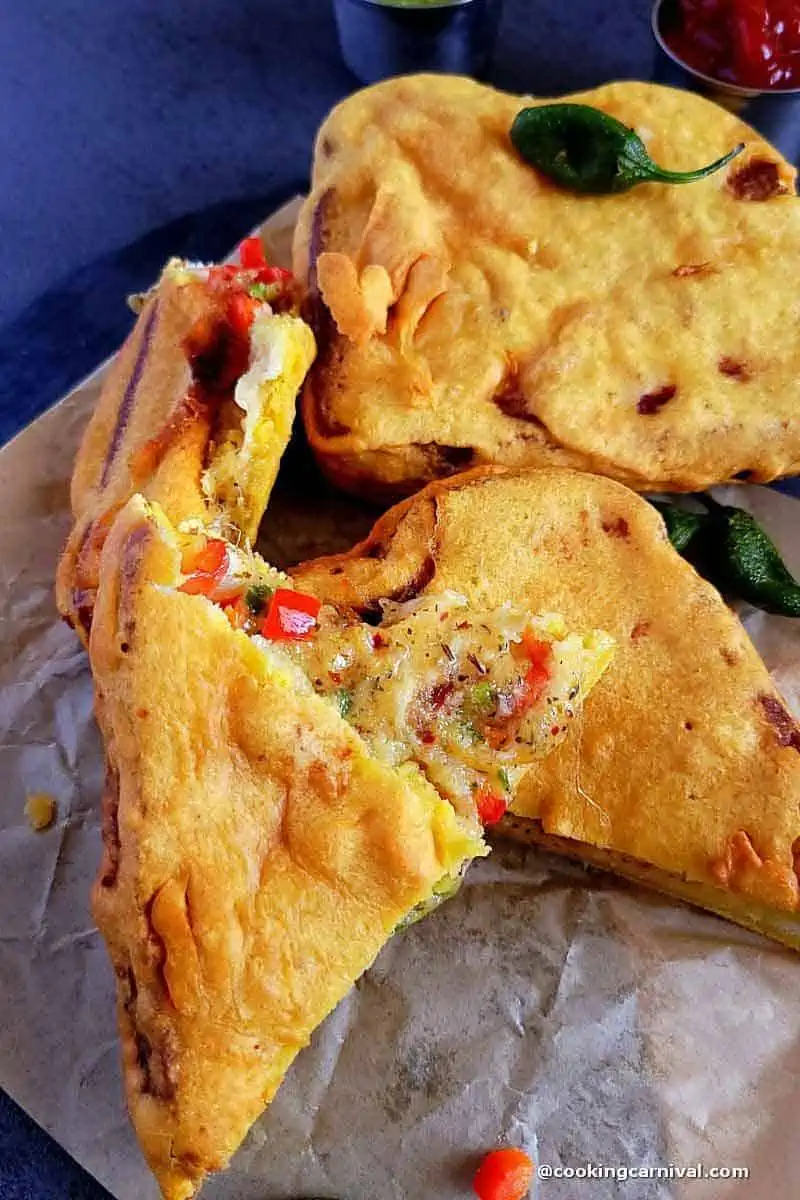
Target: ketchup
746,42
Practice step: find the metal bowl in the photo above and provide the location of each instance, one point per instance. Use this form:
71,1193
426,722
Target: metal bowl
774,113
380,39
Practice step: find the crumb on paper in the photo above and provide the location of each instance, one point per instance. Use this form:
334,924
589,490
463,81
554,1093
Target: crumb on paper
40,809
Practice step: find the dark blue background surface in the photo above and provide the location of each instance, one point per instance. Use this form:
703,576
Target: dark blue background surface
119,118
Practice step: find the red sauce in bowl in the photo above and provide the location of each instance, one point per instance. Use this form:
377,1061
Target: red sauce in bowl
745,42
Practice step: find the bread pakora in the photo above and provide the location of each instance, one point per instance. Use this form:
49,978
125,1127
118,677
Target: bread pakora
195,412
469,311
685,771
286,785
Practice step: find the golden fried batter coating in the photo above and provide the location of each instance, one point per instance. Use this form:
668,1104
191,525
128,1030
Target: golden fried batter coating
470,312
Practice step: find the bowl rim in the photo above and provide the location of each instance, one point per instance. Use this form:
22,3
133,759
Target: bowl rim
415,6
734,89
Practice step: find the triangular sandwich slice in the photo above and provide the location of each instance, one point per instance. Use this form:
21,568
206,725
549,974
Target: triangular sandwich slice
685,772
287,784
195,410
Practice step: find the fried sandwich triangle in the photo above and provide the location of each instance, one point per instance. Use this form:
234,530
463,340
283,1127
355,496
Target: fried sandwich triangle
260,847
286,784
470,311
685,772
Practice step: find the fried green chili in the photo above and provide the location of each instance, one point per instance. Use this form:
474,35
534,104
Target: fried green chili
586,150
728,546
681,523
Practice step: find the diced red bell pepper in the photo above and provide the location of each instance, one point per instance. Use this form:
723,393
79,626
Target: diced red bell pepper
273,275
491,805
504,1175
251,253
221,276
535,649
539,656
198,585
208,568
218,344
291,616
537,679
205,558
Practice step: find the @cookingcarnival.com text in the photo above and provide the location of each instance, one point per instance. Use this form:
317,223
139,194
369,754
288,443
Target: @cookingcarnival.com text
621,1174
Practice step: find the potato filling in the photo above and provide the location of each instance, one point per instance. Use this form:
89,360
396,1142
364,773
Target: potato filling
471,696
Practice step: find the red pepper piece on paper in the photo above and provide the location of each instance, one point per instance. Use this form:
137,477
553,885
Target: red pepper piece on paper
504,1175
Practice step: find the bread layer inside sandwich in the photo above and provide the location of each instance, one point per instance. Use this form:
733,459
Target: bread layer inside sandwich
782,926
